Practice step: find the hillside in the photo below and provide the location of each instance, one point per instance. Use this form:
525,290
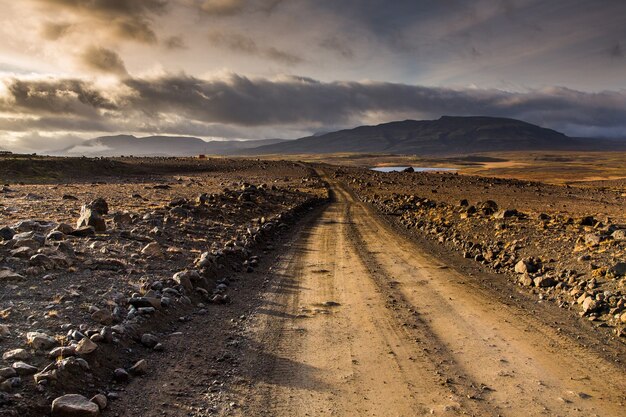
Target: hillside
160,146
447,135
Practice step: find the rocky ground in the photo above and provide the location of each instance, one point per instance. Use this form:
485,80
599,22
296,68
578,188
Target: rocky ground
565,244
91,272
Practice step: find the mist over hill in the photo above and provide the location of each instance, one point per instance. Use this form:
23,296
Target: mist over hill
445,136
160,146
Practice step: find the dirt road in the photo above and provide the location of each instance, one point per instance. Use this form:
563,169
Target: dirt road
360,322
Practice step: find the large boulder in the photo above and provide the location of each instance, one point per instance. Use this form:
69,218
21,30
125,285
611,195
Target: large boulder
89,217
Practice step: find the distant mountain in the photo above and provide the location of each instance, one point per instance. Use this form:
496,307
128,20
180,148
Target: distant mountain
160,146
445,136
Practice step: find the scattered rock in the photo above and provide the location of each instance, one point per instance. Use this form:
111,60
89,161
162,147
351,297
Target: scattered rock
153,250
589,305
6,275
102,316
525,266
83,231
100,400
121,375
618,269
39,340
139,368
22,368
86,346
74,405
6,233
149,340
544,281
89,217
16,354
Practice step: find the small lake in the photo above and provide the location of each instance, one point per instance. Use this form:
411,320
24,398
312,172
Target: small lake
416,169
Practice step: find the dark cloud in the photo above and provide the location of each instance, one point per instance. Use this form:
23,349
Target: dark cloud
124,19
246,45
221,7
174,42
337,45
103,60
130,8
235,7
136,30
54,31
174,102
242,101
54,97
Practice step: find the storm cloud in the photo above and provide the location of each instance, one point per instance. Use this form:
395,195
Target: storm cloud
72,67
124,19
103,60
239,101
239,43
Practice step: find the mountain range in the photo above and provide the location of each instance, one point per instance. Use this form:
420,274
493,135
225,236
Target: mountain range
160,146
445,136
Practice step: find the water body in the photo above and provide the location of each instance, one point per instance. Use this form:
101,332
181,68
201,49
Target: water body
416,169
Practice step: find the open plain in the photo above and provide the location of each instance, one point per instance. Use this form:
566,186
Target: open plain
183,287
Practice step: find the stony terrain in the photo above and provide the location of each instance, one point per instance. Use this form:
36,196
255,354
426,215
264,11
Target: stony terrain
184,287
565,244
91,272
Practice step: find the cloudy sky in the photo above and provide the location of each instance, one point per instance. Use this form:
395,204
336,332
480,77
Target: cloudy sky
76,69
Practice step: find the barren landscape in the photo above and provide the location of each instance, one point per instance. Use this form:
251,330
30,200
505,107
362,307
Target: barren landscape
269,208
182,287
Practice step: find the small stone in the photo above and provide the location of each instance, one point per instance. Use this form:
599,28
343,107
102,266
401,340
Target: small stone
74,405
22,368
121,375
7,373
589,305
524,266
152,249
182,278
6,233
62,352
99,205
86,346
39,340
84,231
64,228
505,214
102,316
544,282
16,354
139,368
592,239
91,215
100,400
617,270
7,275
4,331
526,280
149,340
